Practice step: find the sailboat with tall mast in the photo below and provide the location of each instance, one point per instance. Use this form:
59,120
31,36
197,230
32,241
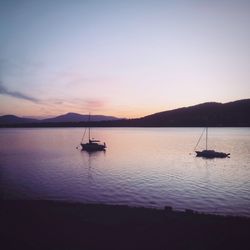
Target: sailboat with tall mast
92,144
206,153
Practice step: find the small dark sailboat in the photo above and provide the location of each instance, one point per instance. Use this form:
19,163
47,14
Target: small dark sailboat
210,153
92,144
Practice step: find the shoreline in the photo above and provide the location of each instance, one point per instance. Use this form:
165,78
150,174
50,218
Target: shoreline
62,225
75,125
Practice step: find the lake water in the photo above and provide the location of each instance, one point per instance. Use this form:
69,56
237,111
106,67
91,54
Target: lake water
151,167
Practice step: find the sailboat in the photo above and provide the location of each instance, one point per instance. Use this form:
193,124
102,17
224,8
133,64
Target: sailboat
209,153
92,144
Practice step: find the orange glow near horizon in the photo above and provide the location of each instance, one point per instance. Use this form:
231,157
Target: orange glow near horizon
23,108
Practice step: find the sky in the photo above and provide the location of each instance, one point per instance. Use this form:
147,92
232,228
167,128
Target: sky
121,58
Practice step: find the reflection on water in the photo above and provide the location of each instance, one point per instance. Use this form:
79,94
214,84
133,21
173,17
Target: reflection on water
89,158
153,167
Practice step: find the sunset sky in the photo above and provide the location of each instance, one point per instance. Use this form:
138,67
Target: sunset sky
121,58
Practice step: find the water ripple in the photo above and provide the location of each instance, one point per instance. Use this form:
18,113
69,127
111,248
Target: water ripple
155,171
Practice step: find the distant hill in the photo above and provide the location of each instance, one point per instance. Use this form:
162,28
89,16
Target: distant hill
69,117
12,119
207,114
74,117
232,114
211,114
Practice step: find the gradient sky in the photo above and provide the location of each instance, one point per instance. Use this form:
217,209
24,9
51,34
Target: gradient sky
122,58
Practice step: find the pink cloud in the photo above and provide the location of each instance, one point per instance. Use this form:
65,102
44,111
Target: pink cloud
94,104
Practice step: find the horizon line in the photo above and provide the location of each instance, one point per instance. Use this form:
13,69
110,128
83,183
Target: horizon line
38,117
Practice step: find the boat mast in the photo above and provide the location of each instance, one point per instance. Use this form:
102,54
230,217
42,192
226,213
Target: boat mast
89,127
206,137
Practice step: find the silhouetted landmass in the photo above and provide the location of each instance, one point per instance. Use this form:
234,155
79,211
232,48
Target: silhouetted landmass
206,114
9,120
56,225
12,119
74,117
232,114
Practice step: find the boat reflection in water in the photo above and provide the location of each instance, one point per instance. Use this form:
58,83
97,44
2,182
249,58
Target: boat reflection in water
91,156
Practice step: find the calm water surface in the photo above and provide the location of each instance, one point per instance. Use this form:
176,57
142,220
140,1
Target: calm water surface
152,167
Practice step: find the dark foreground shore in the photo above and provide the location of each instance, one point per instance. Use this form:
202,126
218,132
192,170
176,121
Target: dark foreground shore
59,225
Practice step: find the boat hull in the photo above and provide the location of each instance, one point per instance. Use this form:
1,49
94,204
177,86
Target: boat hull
93,147
211,154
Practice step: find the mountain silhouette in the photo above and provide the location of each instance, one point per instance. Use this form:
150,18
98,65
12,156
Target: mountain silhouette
206,114
231,114
74,117
69,117
12,119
